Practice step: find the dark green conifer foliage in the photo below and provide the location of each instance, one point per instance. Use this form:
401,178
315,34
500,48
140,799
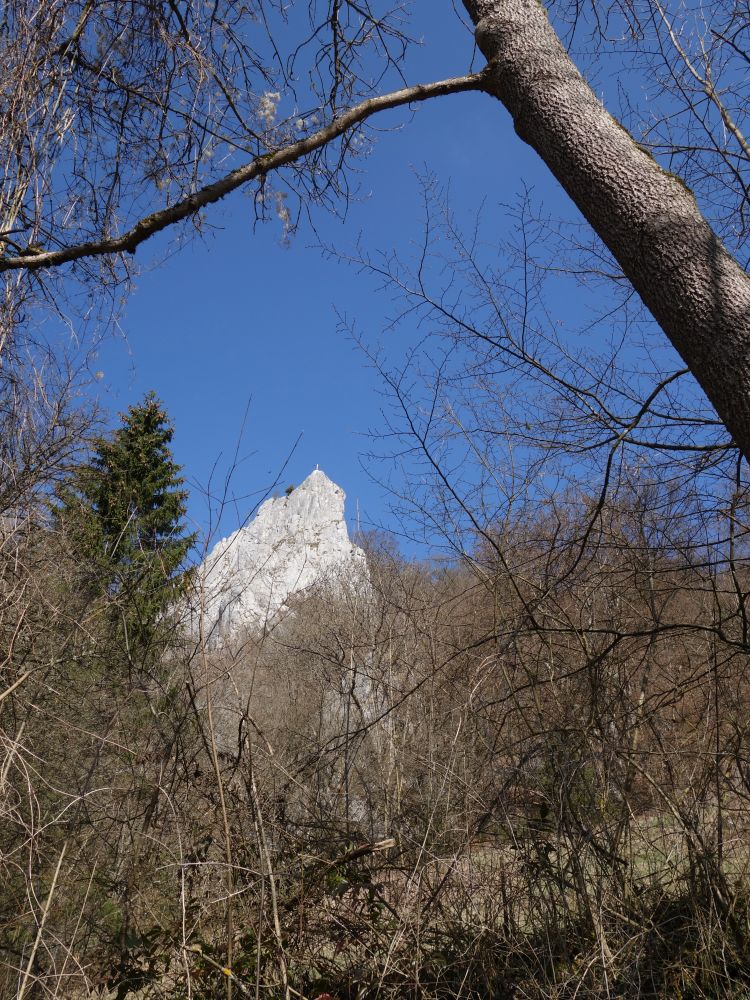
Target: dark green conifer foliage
124,513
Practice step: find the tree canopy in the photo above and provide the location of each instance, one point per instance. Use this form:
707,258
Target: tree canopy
150,113
124,510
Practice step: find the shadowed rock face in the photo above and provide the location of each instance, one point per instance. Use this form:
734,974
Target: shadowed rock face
292,543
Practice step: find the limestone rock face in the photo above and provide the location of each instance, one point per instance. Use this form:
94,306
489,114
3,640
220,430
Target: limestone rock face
293,543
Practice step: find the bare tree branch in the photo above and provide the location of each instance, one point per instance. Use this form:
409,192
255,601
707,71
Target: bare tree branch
260,166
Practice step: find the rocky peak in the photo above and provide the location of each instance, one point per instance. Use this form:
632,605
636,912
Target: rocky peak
292,543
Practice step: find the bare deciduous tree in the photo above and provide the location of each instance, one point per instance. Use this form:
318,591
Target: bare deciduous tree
138,103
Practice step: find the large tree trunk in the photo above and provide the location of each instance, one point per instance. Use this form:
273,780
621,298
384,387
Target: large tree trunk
646,216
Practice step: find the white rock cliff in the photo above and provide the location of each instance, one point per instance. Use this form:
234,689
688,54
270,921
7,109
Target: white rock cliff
293,543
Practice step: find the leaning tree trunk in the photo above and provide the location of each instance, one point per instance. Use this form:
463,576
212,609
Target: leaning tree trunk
647,217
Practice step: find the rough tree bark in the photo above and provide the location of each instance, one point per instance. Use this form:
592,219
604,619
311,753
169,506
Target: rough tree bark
645,215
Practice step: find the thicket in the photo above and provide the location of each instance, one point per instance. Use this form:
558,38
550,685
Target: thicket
522,774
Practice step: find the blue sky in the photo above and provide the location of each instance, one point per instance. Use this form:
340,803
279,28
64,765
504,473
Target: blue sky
239,321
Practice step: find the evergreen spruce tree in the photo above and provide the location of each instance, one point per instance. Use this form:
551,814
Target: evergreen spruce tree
123,513
121,525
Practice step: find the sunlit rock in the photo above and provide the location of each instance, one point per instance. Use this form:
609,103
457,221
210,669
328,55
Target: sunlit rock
293,543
